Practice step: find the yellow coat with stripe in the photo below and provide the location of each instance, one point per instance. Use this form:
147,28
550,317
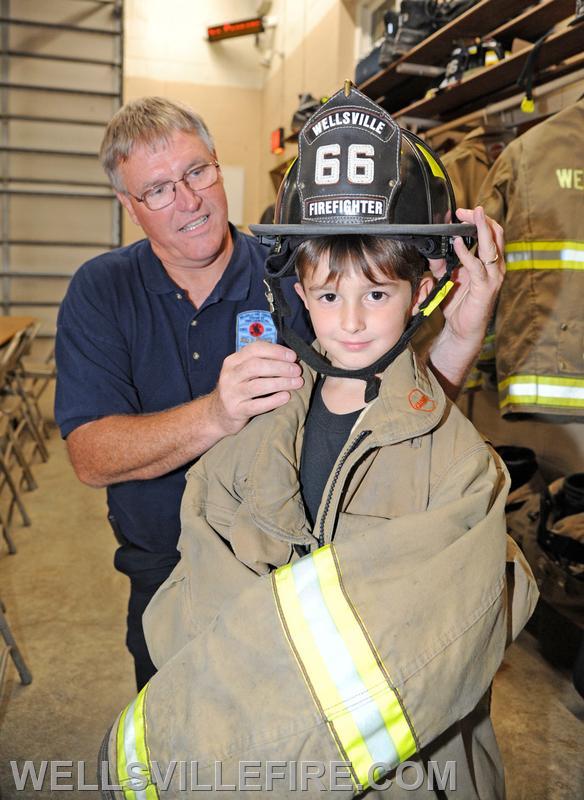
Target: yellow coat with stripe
378,647
536,191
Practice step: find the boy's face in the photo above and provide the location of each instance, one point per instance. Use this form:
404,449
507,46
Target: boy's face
354,320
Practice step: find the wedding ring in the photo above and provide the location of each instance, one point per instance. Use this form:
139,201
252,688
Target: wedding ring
494,258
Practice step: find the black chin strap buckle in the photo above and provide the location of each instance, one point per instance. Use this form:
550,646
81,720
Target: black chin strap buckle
372,388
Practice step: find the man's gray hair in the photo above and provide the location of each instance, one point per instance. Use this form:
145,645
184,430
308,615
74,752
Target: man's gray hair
146,121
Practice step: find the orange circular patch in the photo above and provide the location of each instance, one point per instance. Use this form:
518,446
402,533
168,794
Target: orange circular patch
420,401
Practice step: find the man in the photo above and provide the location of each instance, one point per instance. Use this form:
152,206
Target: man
150,374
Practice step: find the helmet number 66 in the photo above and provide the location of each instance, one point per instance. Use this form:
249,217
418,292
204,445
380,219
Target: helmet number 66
360,165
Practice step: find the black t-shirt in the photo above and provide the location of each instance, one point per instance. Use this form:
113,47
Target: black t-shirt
324,437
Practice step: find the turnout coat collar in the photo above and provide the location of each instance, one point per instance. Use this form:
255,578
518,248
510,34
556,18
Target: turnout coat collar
409,405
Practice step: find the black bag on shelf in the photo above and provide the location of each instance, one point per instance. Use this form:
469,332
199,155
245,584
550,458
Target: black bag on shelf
417,20
307,105
367,66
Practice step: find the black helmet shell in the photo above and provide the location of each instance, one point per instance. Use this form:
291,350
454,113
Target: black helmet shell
358,172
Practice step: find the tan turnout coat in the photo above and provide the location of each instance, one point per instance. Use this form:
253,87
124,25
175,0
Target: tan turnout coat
416,569
536,191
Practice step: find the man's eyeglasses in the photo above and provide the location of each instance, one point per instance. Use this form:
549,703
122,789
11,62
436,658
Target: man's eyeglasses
196,179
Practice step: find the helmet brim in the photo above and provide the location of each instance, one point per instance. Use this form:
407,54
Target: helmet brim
463,229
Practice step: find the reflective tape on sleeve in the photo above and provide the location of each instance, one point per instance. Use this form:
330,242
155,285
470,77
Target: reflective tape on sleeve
132,752
544,255
344,673
541,390
488,349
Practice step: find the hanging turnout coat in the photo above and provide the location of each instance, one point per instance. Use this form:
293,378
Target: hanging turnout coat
375,649
536,191
469,162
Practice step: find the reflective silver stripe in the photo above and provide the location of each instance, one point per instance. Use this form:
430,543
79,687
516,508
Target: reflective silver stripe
131,754
341,666
544,255
541,389
544,391
131,749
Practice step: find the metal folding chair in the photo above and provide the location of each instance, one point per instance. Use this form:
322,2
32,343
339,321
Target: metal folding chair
36,377
31,418
14,423
11,650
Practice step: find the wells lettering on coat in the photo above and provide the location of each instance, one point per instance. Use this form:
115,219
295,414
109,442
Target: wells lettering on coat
569,178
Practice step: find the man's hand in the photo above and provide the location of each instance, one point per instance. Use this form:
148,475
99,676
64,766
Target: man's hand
468,307
257,379
142,446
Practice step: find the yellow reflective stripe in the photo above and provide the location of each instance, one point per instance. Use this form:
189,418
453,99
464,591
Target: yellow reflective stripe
122,765
151,792
538,263
544,255
344,673
437,170
552,380
132,749
322,688
488,351
550,392
513,247
366,659
537,400
474,380
438,299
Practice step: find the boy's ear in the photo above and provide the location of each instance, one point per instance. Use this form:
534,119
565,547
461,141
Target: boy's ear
299,289
422,292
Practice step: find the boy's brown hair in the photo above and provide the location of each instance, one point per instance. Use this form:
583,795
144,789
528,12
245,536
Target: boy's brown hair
370,254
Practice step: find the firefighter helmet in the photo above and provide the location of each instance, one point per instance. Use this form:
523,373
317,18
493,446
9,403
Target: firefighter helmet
359,173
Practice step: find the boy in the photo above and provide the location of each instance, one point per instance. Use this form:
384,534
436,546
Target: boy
360,292
374,507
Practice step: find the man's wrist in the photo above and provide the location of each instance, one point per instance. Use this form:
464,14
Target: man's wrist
218,423
451,358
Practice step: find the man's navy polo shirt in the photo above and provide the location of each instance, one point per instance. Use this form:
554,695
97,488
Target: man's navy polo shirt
130,342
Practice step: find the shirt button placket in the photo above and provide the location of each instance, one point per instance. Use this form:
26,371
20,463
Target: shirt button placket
195,355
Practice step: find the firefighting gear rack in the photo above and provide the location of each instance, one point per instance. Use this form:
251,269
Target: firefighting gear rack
60,83
490,94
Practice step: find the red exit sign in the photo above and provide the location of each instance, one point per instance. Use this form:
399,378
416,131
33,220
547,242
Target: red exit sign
230,29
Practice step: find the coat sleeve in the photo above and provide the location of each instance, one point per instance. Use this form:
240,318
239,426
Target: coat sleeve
363,652
495,189
222,550
466,173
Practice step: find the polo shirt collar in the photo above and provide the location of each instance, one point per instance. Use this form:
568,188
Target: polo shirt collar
234,284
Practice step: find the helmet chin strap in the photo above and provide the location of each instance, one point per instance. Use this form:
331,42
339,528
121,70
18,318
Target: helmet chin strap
279,264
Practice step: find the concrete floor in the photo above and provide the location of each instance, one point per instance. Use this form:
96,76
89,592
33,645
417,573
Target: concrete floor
66,606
